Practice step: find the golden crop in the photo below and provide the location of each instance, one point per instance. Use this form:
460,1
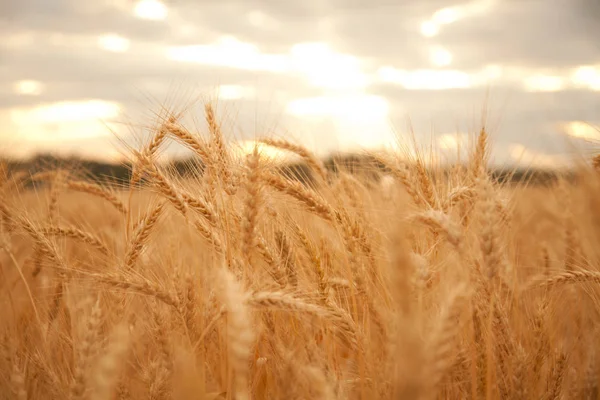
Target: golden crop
241,283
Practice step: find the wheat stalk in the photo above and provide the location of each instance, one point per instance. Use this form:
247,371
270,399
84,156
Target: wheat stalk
239,333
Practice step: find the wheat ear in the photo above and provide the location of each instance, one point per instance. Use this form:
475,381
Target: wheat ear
75,233
314,163
141,235
97,191
253,201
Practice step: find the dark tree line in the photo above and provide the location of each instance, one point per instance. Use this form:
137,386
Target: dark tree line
120,174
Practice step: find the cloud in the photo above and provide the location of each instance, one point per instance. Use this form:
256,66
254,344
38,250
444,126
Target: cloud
529,33
331,73
528,158
28,87
581,130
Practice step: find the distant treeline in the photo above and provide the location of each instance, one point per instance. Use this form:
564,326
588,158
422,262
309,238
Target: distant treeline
357,164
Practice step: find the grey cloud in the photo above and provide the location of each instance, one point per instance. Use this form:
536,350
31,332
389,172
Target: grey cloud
298,21
14,11
589,11
93,73
287,11
95,24
382,29
94,18
548,33
531,32
528,33
513,117
543,106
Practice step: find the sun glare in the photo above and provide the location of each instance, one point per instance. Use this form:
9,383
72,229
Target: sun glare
67,111
114,43
228,52
444,16
529,158
28,87
447,15
425,79
325,68
152,10
450,15
63,120
350,108
581,130
587,76
359,120
429,29
259,19
234,92
440,57
245,147
451,141
17,40
318,63
544,83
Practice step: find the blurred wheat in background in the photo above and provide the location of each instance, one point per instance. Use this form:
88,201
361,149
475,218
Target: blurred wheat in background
394,278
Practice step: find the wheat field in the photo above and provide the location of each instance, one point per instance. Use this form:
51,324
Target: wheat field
242,283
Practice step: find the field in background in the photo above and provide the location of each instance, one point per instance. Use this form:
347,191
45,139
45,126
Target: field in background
405,282
120,174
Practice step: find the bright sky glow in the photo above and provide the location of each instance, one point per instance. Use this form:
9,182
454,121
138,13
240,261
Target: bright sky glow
67,111
352,108
529,158
544,83
229,52
17,39
60,39
450,15
491,72
325,68
440,57
63,121
317,62
153,10
581,130
244,147
114,43
425,79
587,76
531,80
33,131
447,15
361,121
452,141
259,19
429,29
234,92
28,88
364,135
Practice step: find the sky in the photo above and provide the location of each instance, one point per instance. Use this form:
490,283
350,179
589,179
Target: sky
81,78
